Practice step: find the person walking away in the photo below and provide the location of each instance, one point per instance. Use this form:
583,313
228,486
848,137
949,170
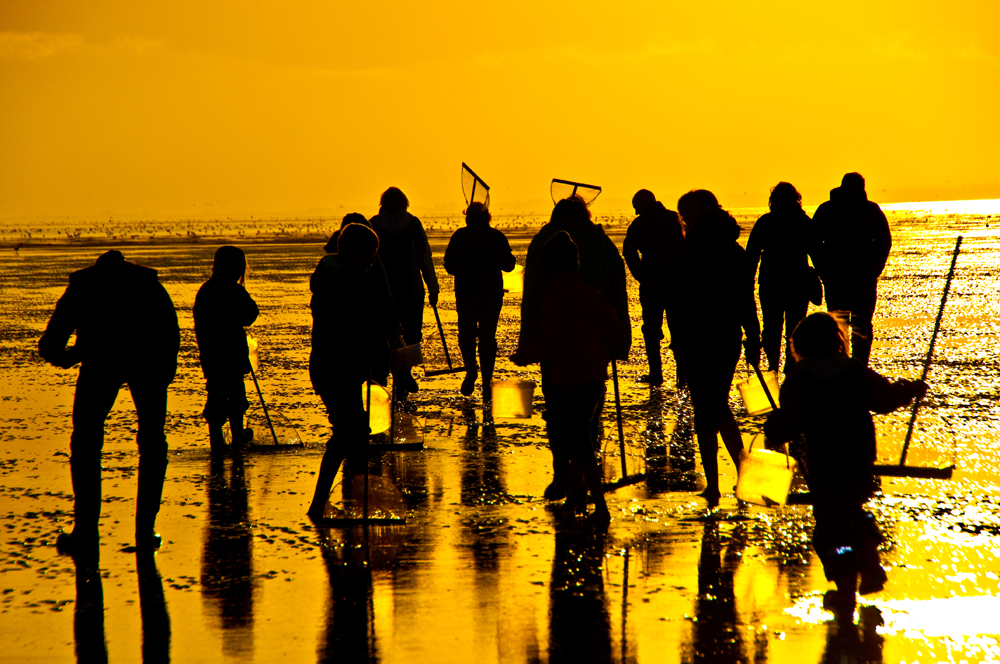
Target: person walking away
850,248
406,255
476,255
377,293
126,333
652,250
222,309
779,243
717,308
601,267
576,326
830,397
348,338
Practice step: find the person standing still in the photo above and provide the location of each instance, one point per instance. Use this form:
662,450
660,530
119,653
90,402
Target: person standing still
851,244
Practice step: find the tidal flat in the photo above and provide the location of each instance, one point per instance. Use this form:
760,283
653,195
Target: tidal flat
483,570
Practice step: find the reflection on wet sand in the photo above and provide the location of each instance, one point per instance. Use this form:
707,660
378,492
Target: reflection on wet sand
579,624
153,609
349,634
88,615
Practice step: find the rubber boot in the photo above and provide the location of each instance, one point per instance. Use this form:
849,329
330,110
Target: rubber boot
85,471
328,468
152,470
655,376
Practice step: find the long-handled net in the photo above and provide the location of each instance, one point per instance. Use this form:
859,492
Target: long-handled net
561,189
474,188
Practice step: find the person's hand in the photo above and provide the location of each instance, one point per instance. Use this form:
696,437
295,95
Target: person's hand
919,389
433,297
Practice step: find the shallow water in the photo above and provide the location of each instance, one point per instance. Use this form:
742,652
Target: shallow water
483,570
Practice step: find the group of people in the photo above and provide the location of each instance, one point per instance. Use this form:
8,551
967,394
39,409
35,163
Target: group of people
368,298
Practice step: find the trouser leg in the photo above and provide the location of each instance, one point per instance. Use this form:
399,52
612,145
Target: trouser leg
772,313
554,429
346,413
95,397
488,323
651,299
655,362
795,311
151,408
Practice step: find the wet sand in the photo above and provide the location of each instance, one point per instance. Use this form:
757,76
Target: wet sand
483,569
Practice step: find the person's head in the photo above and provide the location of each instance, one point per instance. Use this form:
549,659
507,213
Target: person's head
820,336
477,214
784,196
230,263
853,182
642,200
696,205
356,247
560,255
353,218
393,201
570,209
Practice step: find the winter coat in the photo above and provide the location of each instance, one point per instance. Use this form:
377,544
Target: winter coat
779,243
222,309
348,333
576,324
653,247
831,402
406,255
476,255
124,320
851,240
601,267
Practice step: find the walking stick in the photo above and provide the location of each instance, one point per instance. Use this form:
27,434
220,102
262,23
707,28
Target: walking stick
263,405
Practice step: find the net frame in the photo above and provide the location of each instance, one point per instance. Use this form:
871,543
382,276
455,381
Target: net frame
575,189
477,184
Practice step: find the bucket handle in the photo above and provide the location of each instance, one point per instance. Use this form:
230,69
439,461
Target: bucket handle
788,463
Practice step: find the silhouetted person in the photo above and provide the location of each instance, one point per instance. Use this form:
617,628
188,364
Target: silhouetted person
653,250
830,398
348,338
406,255
851,245
476,255
126,332
601,267
576,327
779,242
717,301
222,309
377,293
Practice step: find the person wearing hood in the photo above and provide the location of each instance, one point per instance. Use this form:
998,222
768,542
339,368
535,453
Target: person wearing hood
348,347
652,250
601,267
830,397
717,308
126,333
779,243
377,292
406,256
851,245
476,255
222,309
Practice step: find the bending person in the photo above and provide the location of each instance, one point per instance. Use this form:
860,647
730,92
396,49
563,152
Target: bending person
476,255
126,333
348,338
717,302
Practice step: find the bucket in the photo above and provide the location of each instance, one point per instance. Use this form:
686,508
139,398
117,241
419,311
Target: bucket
513,281
407,357
765,476
512,398
753,394
380,418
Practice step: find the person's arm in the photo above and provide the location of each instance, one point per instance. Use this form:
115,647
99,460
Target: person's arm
52,345
885,396
882,237
452,254
427,264
630,252
507,260
754,244
248,310
747,308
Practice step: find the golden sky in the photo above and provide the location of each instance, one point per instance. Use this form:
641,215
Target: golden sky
203,109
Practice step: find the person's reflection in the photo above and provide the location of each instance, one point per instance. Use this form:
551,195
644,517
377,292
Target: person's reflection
715,633
579,625
675,471
847,642
227,585
153,610
350,618
88,614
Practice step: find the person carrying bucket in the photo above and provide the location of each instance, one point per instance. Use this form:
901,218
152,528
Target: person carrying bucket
126,332
348,345
476,256
576,325
716,302
222,309
406,255
830,397
601,267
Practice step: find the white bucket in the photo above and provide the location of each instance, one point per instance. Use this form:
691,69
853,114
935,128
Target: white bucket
407,356
765,476
753,394
512,398
513,281
380,417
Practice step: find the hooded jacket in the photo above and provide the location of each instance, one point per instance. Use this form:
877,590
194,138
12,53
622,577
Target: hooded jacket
406,255
831,401
221,310
476,255
653,247
124,320
779,243
851,240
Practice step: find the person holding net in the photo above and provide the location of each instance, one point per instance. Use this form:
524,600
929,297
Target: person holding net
348,344
222,309
476,255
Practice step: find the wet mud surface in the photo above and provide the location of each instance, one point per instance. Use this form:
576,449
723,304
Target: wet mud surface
484,569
